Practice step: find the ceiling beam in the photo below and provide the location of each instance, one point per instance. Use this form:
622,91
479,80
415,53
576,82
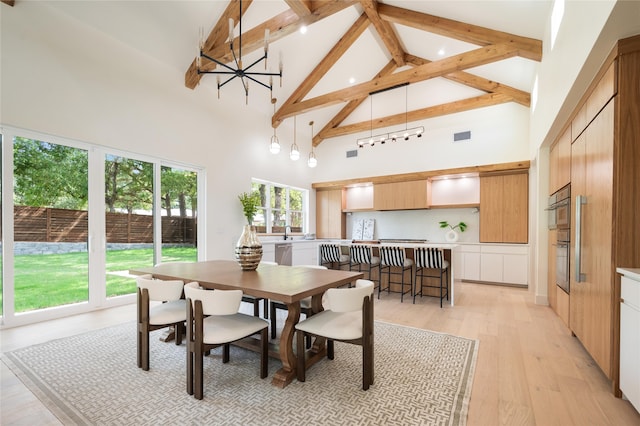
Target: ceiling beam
481,101
8,2
528,47
301,8
279,26
385,31
433,69
477,82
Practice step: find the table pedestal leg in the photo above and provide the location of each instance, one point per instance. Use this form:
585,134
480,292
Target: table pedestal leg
287,373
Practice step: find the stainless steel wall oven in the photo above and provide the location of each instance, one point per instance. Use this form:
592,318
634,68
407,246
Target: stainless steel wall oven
560,219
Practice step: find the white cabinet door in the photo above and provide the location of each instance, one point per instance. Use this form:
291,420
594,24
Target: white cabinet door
491,266
471,269
630,341
516,269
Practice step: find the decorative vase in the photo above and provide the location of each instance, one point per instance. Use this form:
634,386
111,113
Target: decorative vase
248,249
451,236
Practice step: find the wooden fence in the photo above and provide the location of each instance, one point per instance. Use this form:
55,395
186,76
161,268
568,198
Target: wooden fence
60,225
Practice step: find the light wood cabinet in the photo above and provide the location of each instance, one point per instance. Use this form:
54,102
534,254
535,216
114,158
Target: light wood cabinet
408,195
504,201
560,162
330,220
605,170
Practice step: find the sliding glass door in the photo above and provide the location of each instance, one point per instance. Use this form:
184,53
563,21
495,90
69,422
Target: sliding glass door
50,225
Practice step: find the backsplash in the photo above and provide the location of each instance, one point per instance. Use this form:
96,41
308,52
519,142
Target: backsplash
419,224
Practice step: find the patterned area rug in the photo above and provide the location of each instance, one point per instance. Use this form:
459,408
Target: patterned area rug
421,378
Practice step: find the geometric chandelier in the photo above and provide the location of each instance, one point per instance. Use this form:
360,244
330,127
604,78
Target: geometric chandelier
245,74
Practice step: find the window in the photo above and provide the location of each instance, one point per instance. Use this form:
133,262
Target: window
282,206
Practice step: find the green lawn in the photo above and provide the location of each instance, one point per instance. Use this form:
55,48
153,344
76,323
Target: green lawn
47,280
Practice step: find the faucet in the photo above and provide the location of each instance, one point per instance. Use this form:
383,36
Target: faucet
287,230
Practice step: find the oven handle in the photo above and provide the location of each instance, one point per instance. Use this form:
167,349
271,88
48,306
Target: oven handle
580,200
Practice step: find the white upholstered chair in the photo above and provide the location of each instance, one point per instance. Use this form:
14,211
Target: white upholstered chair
349,320
213,320
171,312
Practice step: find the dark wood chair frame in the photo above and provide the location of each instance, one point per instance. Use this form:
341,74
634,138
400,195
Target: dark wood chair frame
197,349
366,341
144,327
388,268
255,301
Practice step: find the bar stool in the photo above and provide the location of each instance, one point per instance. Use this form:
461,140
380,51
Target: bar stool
428,258
361,255
330,254
393,256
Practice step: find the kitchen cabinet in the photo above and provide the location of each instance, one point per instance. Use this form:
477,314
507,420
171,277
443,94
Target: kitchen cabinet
504,216
408,195
504,264
330,220
630,336
466,262
605,174
560,162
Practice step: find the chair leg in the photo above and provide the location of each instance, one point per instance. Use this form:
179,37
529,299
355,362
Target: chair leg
330,347
225,353
300,357
179,332
264,352
265,308
272,314
256,307
198,390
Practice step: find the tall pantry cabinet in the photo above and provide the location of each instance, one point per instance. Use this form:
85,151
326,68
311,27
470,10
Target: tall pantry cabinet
605,193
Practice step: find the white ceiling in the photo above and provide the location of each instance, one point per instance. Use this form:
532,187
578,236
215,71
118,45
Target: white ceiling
168,32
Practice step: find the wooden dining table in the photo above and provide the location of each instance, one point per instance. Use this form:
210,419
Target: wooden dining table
287,284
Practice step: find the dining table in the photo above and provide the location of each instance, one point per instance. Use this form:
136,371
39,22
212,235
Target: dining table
287,284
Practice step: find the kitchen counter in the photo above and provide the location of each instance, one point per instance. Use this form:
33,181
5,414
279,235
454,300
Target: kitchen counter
633,273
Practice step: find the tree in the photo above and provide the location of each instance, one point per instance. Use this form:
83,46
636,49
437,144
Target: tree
50,175
128,184
179,189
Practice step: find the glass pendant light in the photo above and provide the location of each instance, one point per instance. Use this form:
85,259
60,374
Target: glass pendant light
294,154
274,145
313,161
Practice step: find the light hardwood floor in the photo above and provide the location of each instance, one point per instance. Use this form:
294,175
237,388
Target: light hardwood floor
530,370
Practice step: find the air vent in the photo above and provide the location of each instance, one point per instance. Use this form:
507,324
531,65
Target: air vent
462,136
353,153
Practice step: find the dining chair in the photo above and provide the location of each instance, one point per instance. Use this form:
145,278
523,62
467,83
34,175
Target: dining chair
431,259
349,320
331,254
169,313
305,305
255,301
362,256
213,320
394,257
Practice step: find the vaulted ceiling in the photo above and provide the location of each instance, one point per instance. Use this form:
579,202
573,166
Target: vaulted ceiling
473,66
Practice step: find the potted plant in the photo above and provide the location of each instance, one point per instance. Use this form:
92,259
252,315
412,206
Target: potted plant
451,235
248,248
250,204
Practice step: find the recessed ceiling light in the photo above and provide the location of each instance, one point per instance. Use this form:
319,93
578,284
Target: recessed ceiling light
352,80
303,29
441,52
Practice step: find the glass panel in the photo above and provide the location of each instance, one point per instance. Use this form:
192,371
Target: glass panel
260,219
179,215
278,208
296,217
129,220
50,225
